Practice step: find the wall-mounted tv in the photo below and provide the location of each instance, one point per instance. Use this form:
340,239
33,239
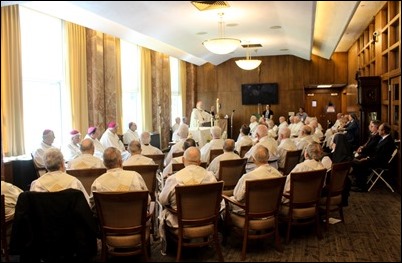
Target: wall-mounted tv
263,93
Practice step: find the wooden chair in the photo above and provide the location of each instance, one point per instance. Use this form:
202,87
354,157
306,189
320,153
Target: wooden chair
158,159
197,221
260,219
5,225
178,166
332,201
291,160
230,172
123,220
304,197
244,149
148,173
177,154
87,176
213,153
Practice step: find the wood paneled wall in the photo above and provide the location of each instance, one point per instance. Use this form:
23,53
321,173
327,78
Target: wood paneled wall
291,73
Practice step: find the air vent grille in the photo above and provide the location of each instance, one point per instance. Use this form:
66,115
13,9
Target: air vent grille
209,5
251,45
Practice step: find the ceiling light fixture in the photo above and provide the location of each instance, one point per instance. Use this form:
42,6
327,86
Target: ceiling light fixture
221,45
248,63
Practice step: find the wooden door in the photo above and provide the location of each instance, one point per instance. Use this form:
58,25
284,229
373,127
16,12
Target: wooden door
323,104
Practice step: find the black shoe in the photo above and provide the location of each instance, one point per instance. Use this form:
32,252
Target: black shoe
358,189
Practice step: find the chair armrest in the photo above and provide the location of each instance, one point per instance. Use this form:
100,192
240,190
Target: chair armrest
170,209
228,199
151,209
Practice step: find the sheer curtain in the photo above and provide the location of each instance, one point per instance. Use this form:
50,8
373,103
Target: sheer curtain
12,122
76,75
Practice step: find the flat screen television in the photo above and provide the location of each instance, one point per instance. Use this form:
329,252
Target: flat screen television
263,93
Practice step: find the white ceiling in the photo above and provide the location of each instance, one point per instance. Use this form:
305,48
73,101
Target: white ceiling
178,28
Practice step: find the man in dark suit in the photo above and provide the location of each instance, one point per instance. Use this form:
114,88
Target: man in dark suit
379,158
368,148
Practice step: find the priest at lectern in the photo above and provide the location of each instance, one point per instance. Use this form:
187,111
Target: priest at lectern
200,117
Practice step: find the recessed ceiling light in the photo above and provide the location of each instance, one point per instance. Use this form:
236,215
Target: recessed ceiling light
275,27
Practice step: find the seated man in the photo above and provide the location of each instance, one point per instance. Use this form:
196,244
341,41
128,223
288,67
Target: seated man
56,179
191,174
131,133
11,193
168,169
47,141
228,154
111,139
285,144
146,146
379,158
115,178
72,149
215,143
244,138
182,132
93,134
175,126
87,159
136,157
368,148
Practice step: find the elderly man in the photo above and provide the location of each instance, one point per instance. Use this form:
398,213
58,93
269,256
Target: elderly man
285,144
178,146
244,138
87,159
72,149
111,139
215,143
56,179
136,157
131,133
199,116
47,141
93,134
11,193
191,174
189,142
116,179
228,154
146,146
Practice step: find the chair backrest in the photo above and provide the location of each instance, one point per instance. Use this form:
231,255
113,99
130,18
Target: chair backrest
158,159
4,243
178,166
291,160
87,176
191,203
213,153
305,188
270,190
177,154
393,155
148,173
336,178
230,172
122,217
244,149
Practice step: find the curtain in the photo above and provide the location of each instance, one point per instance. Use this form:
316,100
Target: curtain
12,121
119,91
76,78
146,89
182,85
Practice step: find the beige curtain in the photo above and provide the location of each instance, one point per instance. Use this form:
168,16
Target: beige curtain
12,121
146,88
183,84
76,75
119,91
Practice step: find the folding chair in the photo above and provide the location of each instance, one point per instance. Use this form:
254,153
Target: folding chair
378,172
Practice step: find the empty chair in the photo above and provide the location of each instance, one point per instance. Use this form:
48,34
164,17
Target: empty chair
123,220
198,222
291,160
213,153
260,219
158,159
332,193
244,149
378,173
230,172
304,197
87,176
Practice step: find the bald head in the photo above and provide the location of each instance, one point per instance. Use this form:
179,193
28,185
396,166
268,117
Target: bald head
87,146
192,156
261,155
135,147
229,145
112,158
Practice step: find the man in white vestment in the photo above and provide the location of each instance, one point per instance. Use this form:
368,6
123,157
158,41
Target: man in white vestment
72,149
116,179
285,144
228,154
93,134
215,143
199,116
56,179
189,142
147,148
175,127
131,133
87,159
244,138
136,157
47,141
111,139
178,146
253,126
11,193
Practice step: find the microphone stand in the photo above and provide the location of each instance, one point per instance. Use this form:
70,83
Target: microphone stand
231,124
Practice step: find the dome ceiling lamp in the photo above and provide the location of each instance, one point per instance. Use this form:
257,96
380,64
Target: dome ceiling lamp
248,63
221,45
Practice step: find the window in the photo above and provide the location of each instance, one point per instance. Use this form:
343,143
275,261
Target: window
176,104
45,100
130,82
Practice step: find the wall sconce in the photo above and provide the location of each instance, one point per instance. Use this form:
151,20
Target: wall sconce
375,36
